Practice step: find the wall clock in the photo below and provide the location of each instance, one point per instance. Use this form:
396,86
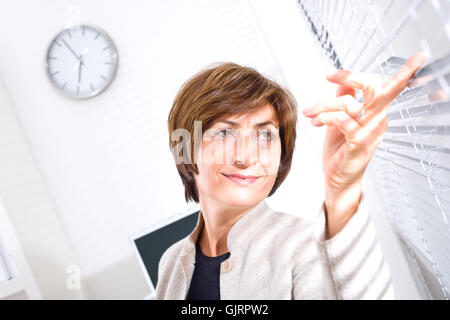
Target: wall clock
81,61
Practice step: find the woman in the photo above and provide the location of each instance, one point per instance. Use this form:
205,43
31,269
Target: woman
233,135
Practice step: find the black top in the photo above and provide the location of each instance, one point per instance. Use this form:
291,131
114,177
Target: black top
205,283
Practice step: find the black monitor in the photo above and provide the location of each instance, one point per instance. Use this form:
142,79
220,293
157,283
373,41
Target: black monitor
151,244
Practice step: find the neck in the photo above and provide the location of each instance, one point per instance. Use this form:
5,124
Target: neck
218,222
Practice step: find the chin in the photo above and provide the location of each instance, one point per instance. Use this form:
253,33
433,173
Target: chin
243,198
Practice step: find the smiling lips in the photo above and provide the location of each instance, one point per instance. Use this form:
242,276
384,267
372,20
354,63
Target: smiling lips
241,179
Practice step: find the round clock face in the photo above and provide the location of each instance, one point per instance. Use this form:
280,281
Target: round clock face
81,61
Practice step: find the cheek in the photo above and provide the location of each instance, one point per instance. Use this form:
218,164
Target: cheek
270,158
217,152
208,168
206,179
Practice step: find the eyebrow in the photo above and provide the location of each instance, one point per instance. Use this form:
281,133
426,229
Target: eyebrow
258,125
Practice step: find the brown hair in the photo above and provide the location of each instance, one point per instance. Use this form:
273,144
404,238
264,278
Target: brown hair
229,89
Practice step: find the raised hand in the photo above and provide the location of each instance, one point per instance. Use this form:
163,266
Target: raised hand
352,137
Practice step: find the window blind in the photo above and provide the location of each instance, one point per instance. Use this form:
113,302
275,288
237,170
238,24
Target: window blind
411,167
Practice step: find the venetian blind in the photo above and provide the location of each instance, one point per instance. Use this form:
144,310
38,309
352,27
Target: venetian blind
411,167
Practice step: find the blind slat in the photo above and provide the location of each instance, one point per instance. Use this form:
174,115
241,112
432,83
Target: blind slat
420,147
434,109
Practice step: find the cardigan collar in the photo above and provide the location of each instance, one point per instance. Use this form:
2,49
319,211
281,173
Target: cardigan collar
236,236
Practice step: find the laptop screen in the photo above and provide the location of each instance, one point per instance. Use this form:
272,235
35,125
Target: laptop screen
152,245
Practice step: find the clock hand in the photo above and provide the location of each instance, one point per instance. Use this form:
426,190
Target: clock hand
79,69
81,55
70,49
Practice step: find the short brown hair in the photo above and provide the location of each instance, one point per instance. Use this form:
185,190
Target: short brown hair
226,89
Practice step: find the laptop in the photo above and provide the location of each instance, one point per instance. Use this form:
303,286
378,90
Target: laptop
149,245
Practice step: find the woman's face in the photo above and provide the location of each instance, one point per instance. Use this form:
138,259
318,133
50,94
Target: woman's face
240,158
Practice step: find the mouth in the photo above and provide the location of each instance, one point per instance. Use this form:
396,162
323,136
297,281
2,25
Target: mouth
241,179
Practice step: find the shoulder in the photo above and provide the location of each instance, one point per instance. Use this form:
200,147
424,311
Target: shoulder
285,230
167,270
287,222
172,253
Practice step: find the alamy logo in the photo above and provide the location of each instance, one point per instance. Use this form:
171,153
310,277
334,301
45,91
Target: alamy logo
74,279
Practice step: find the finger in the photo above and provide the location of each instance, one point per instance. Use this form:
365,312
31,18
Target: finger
399,81
340,119
358,80
345,103
343,90
370,84
371,133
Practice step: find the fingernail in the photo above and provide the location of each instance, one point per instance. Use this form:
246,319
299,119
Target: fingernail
307,110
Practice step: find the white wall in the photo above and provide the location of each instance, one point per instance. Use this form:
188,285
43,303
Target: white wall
31,211
105,162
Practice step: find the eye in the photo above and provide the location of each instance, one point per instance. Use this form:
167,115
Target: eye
265,135
225,133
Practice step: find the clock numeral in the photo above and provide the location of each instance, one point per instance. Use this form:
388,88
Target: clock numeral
98,34
92,87
52,58
107,62
64,85
105,48
78,90
83,30
52,74
68,32
101,76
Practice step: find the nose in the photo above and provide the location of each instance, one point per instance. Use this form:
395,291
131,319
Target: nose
246,151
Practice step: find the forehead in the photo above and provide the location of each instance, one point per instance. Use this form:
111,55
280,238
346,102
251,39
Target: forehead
262,114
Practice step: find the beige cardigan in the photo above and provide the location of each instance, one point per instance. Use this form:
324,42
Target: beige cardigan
274,255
